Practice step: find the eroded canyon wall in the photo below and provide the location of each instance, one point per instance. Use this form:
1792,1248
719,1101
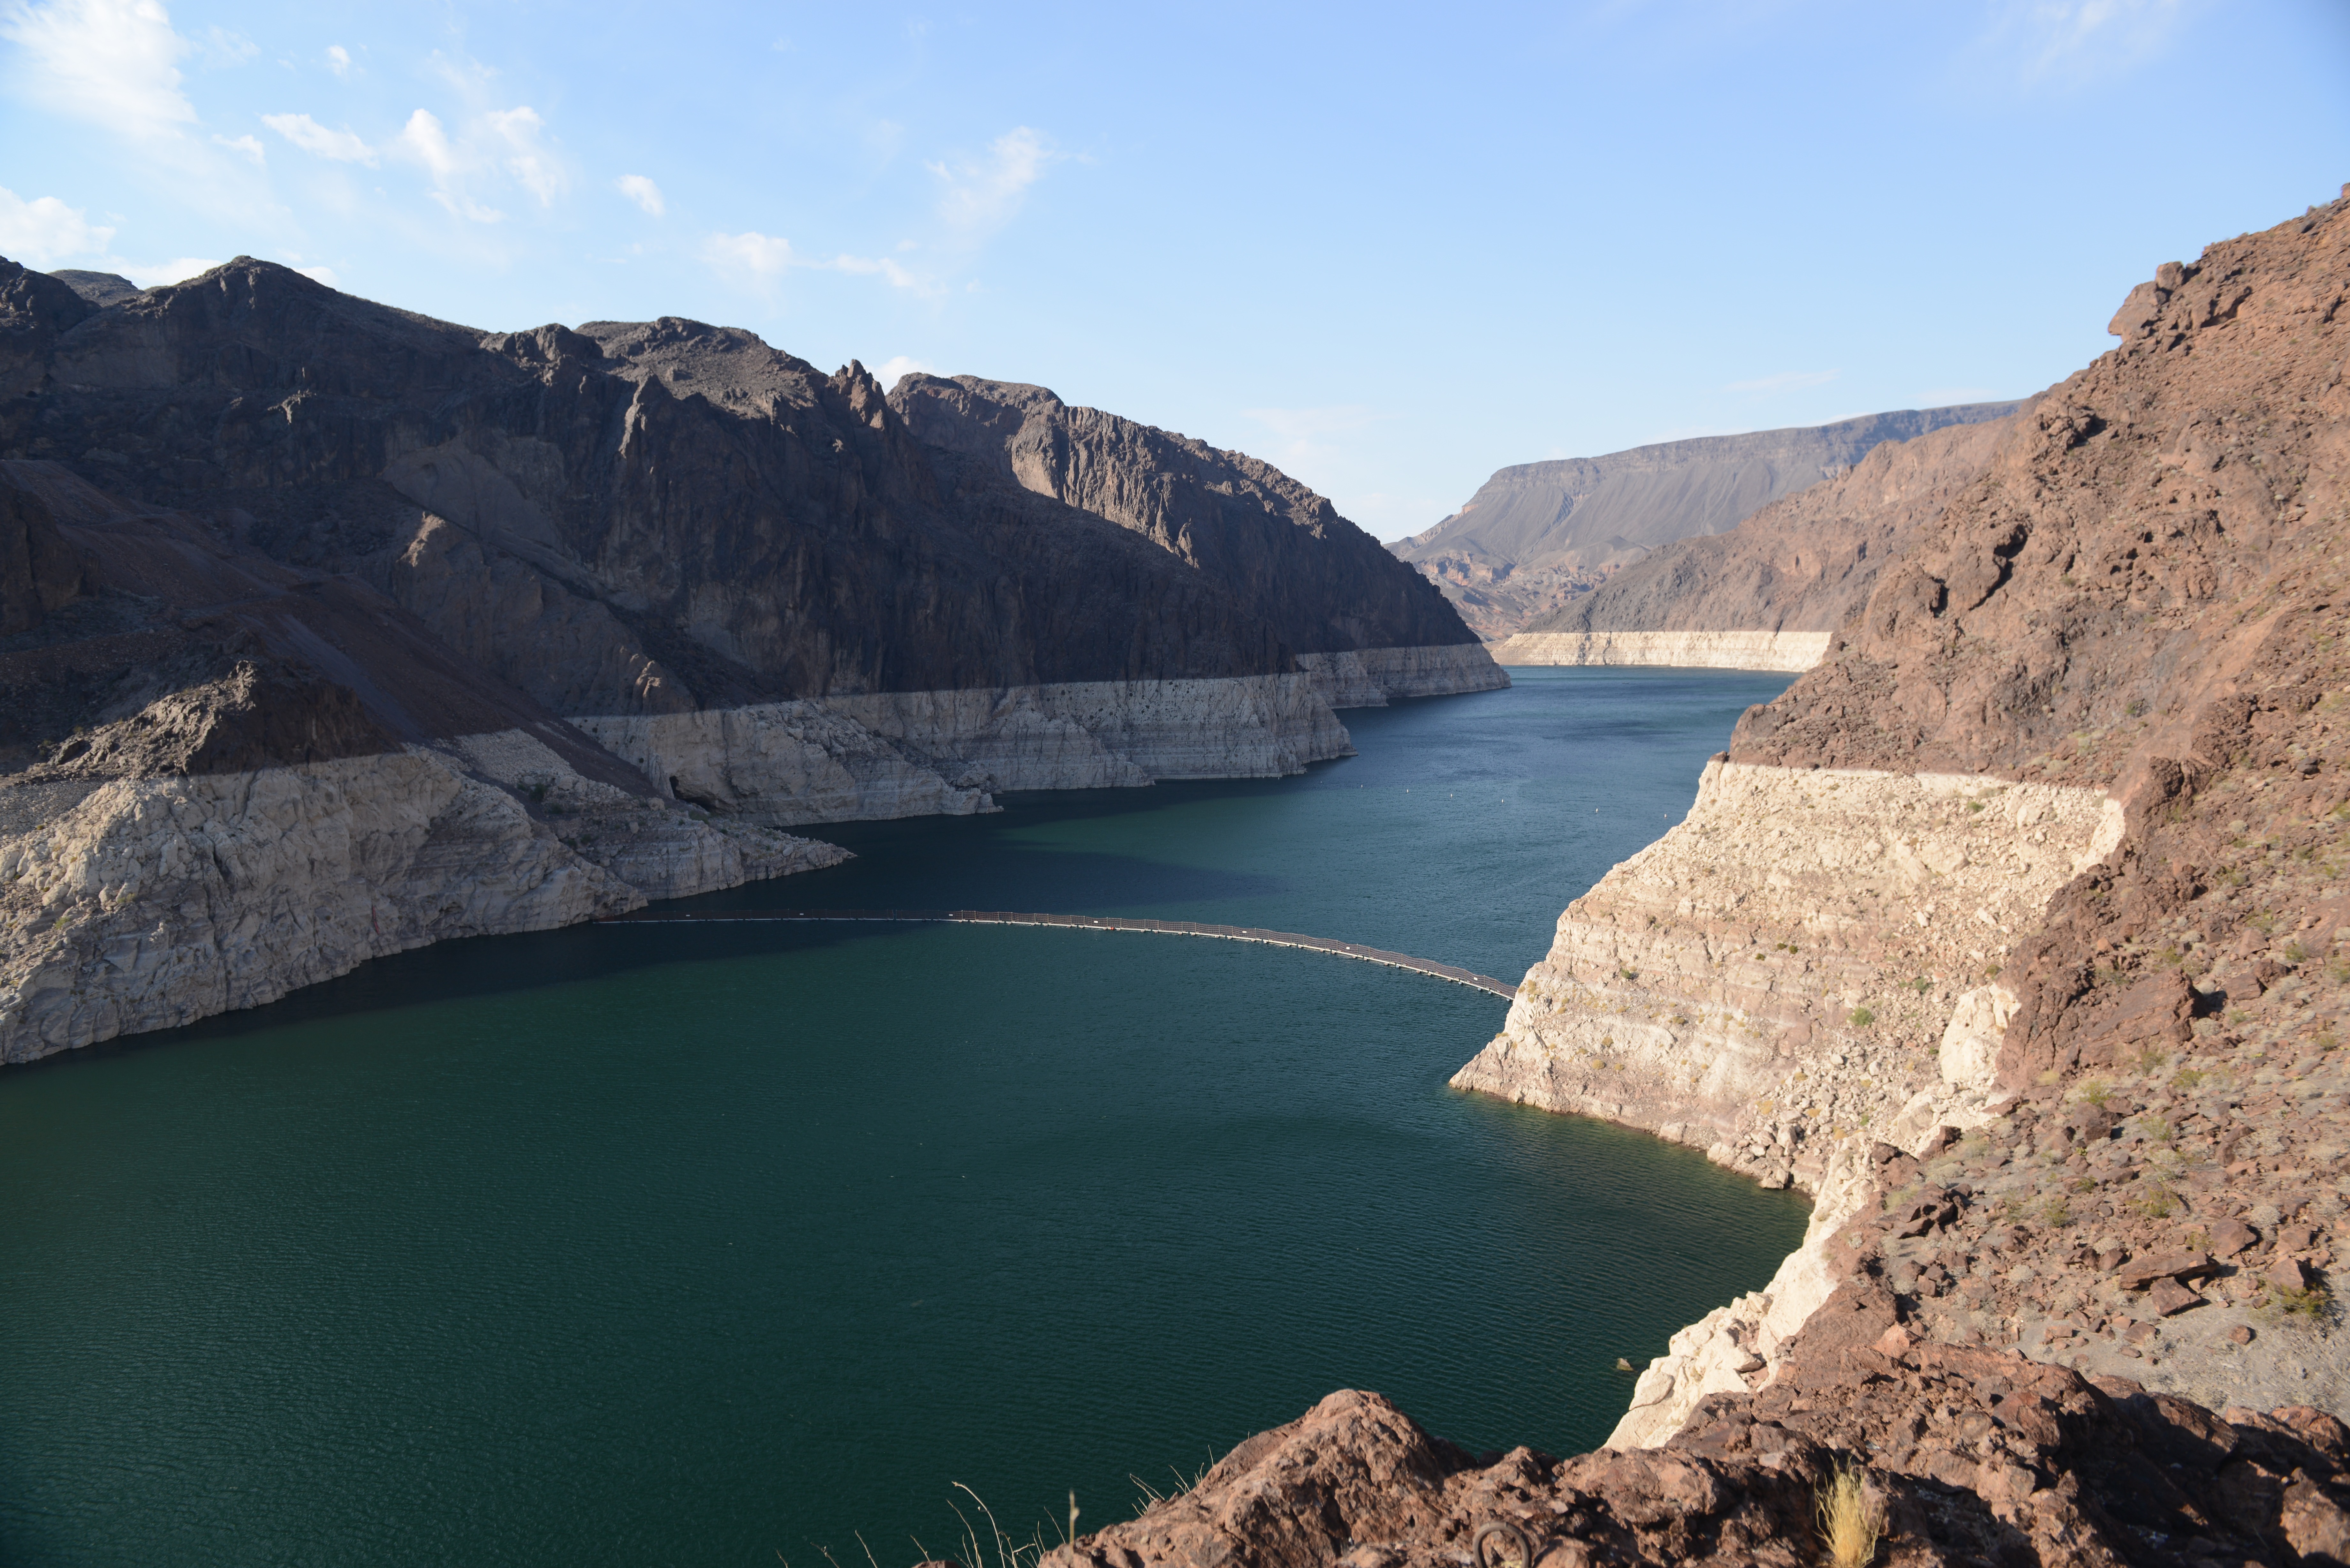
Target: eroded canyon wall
303,599
1770,593
2013,924
2015,931
1537,538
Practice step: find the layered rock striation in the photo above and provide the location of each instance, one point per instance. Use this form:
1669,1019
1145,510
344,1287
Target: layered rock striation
2100,638
229,779
1794,651
2014,932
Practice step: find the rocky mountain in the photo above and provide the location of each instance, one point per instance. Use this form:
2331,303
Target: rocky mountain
1325,585
2014,932
1766,594
1538,535
326,628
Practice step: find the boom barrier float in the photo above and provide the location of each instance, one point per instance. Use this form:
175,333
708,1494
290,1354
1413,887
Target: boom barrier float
1446,971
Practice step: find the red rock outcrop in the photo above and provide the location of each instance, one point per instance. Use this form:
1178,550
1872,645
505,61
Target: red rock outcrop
2023,1322
1972,1456
1798,564
1538,540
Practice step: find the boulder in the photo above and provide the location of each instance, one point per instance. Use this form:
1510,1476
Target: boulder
2140,1272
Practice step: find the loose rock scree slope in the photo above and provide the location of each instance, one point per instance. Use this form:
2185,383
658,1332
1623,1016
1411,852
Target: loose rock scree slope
2013,931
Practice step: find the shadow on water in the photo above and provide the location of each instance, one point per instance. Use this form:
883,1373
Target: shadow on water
702,1244
943,862
1600,737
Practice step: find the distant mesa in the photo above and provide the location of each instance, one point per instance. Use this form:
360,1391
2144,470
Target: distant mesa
1537,536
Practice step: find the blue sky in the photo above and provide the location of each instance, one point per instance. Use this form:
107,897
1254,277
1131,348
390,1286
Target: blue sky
1389,248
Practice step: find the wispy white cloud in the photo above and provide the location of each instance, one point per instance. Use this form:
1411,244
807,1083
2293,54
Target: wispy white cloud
338,59
982,195
245,146
423,141
640,189
1314,424
223,50
45,233
527,156
342,146
111,63
504,143
1784,381
897,274
976,198
763,257
466,74
116,65
899,365
325,274
2045,39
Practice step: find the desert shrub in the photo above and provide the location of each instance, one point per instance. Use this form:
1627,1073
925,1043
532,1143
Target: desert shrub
1851,1518
2315,1304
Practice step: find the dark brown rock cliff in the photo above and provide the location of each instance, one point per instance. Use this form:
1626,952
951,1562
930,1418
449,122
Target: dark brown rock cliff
652,517
185,651
1321,582
767,531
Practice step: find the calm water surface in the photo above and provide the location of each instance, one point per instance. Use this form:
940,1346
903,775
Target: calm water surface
647,1245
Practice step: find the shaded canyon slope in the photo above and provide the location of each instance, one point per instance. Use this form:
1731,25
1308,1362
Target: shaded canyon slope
1767,594
1537,536
2014,933
1325,585
327,630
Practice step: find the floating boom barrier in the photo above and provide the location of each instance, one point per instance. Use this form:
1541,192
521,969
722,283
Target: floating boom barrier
1446,971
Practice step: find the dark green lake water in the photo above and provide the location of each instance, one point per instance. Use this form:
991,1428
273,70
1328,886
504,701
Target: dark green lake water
671,1245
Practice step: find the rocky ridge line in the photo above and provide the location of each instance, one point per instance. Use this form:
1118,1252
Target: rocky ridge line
2109,1206
1791,573
1538,539
377,629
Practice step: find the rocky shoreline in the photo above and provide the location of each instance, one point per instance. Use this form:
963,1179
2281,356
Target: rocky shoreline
2015,933
1790,651
328,629
133,903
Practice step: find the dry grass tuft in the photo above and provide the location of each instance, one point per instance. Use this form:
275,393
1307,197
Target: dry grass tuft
1851,1519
